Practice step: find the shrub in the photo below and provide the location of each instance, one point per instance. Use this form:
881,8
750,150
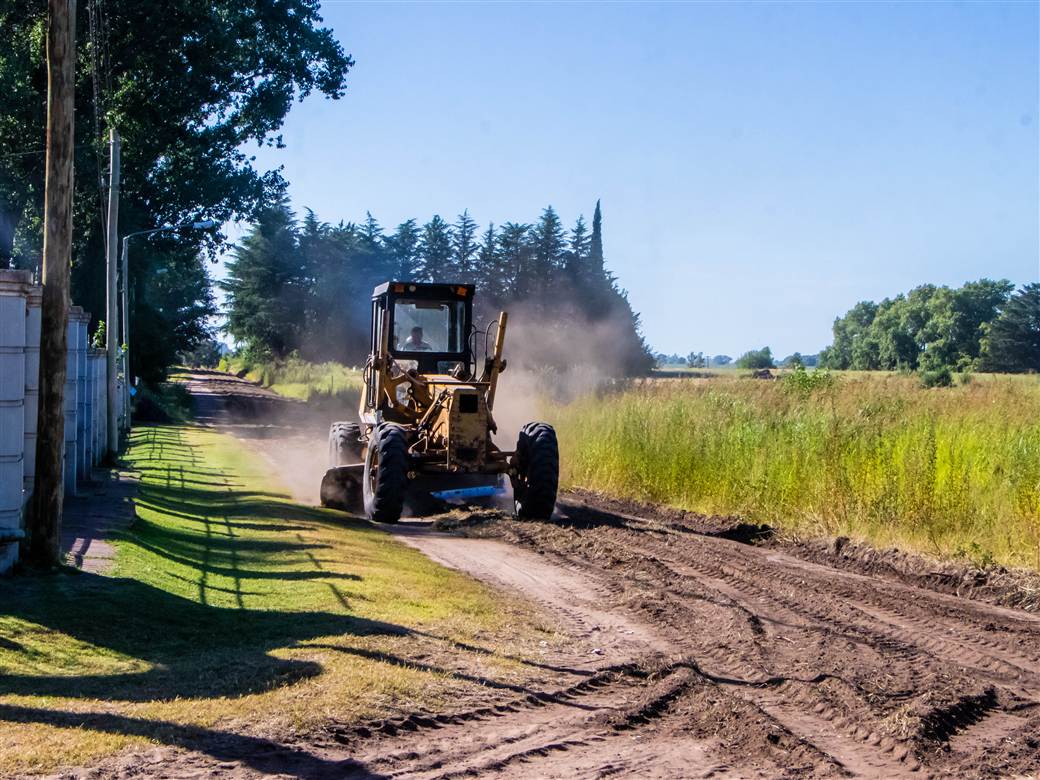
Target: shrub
937,377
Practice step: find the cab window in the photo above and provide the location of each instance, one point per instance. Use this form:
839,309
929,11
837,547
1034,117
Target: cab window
428,326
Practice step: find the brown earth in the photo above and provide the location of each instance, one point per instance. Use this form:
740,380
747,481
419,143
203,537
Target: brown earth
701,647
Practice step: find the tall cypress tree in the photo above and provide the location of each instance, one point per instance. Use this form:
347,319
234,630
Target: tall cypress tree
596,266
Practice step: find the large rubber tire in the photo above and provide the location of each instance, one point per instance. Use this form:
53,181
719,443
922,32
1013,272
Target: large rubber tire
538,472
386,474
344,444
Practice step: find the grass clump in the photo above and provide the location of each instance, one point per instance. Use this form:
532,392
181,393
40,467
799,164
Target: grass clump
234,617
953,473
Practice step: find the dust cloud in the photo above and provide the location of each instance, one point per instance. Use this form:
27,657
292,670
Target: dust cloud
554,360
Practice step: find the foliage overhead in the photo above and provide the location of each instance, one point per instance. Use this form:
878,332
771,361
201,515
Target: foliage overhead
188,85
306,288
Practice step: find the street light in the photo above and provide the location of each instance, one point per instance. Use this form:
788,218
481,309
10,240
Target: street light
205,224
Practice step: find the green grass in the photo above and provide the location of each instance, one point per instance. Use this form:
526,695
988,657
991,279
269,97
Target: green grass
952,472
312,382
233,614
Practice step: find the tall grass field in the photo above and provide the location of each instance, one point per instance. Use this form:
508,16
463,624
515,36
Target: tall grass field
952,471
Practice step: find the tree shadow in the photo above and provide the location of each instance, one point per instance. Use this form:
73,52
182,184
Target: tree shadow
190,650
263,755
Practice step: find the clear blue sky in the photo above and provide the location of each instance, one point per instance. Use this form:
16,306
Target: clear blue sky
762,166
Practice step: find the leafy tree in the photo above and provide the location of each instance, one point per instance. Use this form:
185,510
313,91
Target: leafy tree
793,361
721,360
928,328
1011,342
697,360
756,358
189,85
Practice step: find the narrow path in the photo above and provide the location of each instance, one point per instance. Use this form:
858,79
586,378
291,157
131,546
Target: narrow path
103,506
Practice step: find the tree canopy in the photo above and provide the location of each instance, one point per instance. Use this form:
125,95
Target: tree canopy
189,86
933,327
306,288
1011,342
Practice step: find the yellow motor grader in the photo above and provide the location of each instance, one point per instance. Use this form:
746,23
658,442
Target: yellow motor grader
426,422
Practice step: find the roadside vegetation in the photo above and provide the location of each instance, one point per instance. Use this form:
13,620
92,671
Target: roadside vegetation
299,379
234,616
950,472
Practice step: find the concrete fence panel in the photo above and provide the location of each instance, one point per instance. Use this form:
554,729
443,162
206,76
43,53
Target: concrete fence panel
70,402
14,287
82,421
32,385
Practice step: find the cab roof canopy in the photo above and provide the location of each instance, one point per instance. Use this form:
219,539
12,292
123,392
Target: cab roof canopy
448,291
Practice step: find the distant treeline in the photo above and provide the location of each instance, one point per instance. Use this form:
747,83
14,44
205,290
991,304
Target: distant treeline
983,326
306,288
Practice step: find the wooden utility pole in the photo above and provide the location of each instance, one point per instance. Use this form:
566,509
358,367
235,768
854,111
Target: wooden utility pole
45,515
112,297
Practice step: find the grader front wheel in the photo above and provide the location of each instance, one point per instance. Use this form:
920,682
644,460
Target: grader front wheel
386,474
538,472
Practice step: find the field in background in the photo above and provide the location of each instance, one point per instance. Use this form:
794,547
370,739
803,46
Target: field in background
951,472
235,615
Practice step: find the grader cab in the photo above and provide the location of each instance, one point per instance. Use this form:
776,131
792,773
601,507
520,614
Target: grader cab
424,435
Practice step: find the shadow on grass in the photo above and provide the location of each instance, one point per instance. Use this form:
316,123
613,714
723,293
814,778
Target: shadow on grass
191,650
263,755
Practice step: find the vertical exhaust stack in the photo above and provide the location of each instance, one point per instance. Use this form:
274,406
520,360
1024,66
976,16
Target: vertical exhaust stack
497,364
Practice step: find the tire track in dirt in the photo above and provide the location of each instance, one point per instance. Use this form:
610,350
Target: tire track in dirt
918,682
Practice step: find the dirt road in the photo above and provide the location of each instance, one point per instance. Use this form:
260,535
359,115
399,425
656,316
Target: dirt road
697,653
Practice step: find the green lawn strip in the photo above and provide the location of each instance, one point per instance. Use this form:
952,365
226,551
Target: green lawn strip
232,608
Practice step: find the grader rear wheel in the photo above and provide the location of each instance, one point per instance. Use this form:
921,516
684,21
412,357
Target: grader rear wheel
344,444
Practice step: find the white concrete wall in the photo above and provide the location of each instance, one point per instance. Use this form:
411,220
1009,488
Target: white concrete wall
70,469
33,302
14,286
100,429
20,369
82,422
